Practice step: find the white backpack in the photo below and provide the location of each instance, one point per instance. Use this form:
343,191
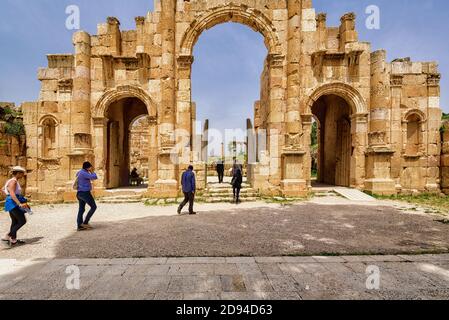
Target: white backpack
75,183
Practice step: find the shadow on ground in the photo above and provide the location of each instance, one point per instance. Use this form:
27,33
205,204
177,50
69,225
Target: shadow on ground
307,229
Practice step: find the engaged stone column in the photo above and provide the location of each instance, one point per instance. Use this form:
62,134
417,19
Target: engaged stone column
276,120
168,15
100,143
167,183
378,171
81,114
293,60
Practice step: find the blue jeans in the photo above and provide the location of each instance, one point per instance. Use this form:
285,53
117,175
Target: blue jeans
85,198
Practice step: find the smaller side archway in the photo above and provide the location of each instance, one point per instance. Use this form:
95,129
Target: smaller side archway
414,133
113,116
49,137
342,114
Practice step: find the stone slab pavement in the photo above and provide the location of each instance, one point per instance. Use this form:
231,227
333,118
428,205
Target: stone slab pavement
226,278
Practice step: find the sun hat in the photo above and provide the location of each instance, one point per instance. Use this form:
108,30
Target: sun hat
18,169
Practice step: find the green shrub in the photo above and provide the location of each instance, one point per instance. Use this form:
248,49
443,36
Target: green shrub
14,128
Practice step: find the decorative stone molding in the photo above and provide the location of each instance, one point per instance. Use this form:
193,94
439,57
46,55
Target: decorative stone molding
422,116
140,20
350,16
396,80
433,80
293,141
321,17
167,143
345,91
100,122
49,117
65,85
276,60
255,19
127,63
121,92
113,21
377,138
185,62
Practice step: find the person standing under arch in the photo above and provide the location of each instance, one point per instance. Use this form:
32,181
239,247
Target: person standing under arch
237,180
188,182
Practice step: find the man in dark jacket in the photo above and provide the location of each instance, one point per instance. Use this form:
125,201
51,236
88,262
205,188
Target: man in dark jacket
220,171
188,188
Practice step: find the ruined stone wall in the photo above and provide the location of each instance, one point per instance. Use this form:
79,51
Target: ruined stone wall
12,149
444,164
306,60
415,106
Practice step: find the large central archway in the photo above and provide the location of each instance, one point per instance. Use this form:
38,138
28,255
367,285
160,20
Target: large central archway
272,75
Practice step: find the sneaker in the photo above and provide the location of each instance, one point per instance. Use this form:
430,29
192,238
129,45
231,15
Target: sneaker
81,229
192,213
87,226
179,211
17,243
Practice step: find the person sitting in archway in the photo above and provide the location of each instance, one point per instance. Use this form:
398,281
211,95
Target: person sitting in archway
135,177
134,174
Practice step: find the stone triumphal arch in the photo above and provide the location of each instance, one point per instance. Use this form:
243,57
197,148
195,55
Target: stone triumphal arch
370,139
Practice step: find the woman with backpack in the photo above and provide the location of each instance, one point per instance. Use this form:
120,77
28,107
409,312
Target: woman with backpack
16,205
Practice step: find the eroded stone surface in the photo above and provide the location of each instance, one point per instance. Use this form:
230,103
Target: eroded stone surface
383,137
106,280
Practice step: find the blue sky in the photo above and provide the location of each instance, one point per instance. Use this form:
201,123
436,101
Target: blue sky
228,58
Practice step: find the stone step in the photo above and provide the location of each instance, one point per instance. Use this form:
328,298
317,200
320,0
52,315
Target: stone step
326,194
230,193
354,194
225,199
120,201
124,193
228,190
130,196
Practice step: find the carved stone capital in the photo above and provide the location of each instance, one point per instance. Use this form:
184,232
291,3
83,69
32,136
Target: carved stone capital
65,85
396,80
100,122
433,80
276,60
350,16
140,20
185,62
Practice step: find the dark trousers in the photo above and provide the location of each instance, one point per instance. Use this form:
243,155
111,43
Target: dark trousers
189,197
85,198
220,176
237,193
18,220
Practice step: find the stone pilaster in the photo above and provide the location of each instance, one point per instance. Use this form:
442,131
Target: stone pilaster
168,161
379,153
81,111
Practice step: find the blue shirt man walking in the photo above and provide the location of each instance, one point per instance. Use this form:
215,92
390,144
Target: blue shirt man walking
188,188
84,195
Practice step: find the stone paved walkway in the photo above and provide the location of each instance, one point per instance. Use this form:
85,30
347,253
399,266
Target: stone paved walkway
277,278
322,226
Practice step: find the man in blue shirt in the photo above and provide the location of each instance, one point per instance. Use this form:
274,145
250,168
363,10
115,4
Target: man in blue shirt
188,188
84,195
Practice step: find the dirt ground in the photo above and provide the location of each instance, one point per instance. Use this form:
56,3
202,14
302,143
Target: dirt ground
123,231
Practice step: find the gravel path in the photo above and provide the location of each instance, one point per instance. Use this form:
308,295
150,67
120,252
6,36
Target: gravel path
254,229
